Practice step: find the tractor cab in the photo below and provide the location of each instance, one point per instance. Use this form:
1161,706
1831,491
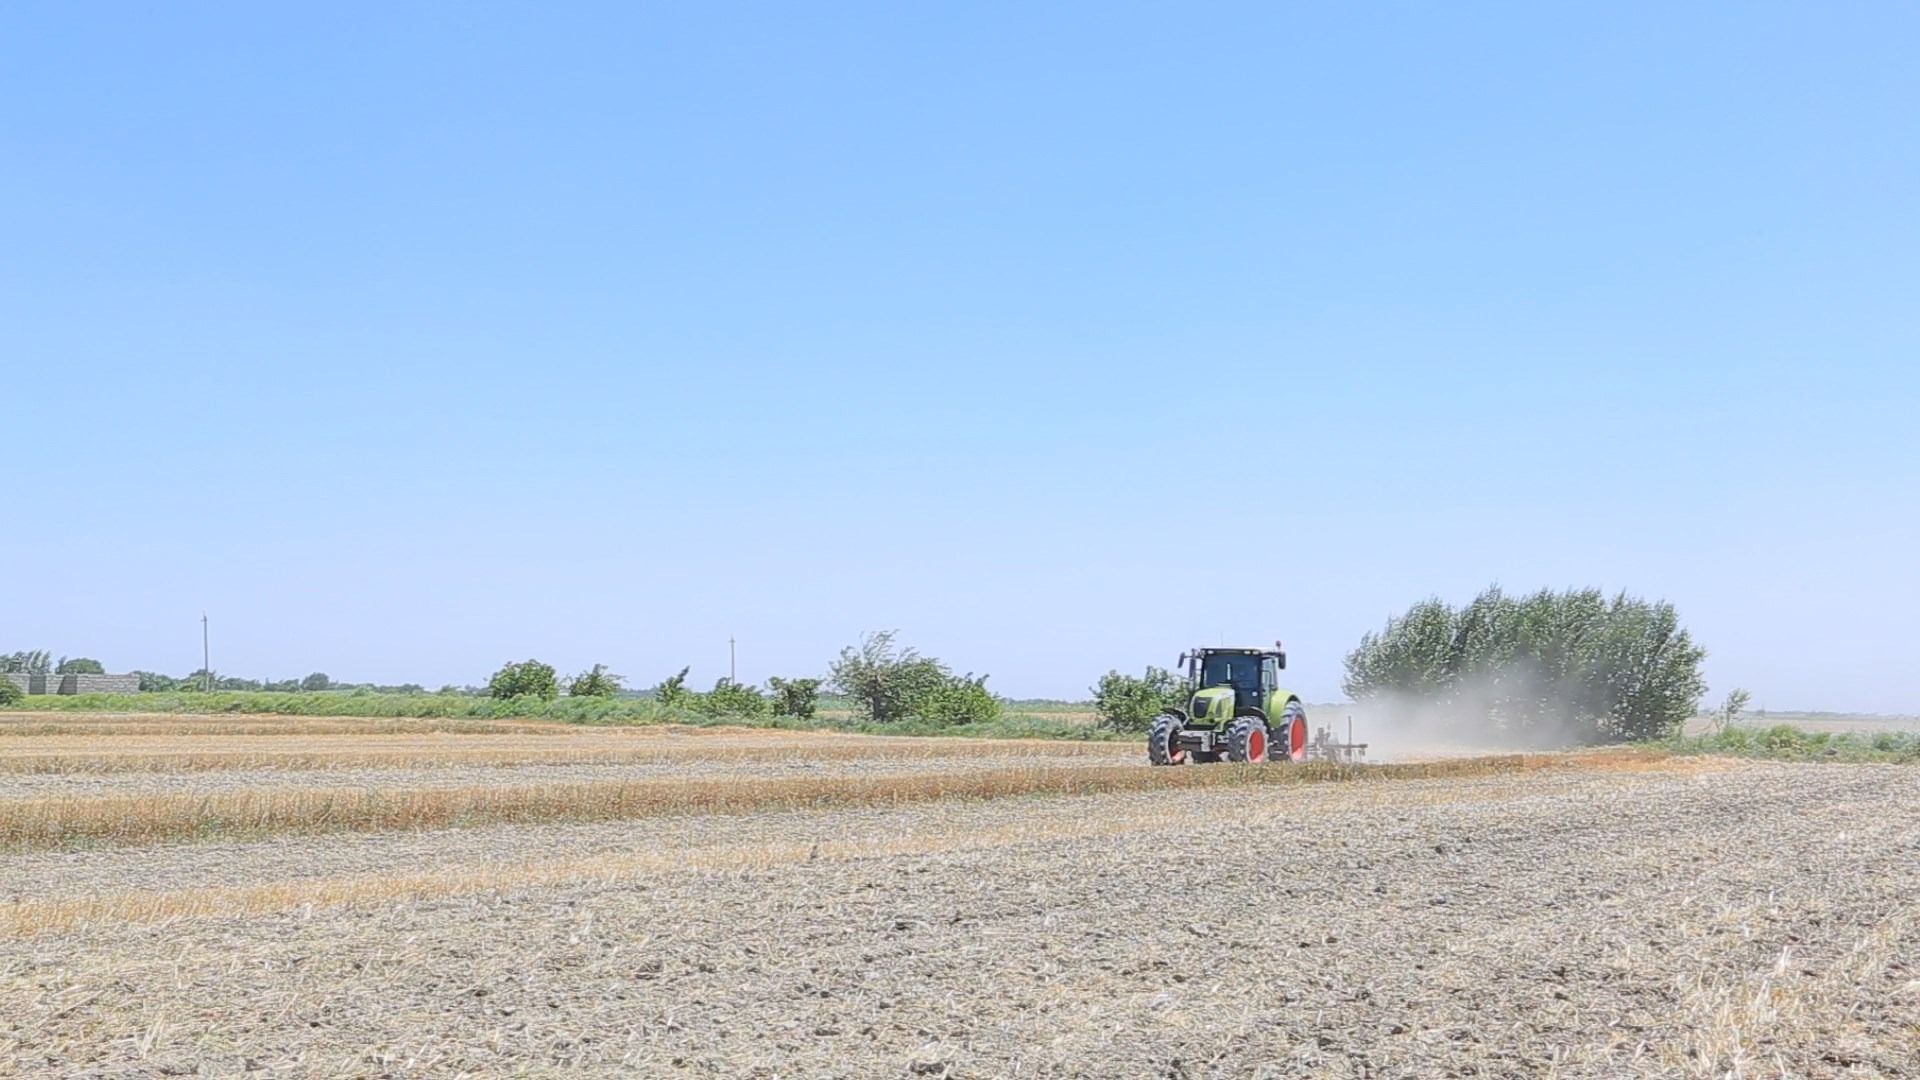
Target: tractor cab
1251,674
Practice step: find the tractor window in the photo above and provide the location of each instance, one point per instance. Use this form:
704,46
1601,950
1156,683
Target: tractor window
1238,670
1269,675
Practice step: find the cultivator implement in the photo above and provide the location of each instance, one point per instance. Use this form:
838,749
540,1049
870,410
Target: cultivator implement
1322,747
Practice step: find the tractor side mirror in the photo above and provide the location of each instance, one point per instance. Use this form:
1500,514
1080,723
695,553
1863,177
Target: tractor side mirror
1182,662
1282,661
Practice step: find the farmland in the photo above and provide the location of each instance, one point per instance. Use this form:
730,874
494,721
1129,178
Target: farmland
282,896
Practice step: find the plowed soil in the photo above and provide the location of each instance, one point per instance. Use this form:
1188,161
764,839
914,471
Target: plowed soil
1618,917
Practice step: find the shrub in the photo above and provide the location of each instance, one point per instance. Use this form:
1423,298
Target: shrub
672,693
1549,667
729,698
10,692
794,697
959,700
1782,737
531,679
1129,704
596,683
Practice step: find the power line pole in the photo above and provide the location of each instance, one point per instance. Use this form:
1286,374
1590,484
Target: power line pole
206,655
733,666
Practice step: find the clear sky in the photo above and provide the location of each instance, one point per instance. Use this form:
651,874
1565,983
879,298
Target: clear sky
409,339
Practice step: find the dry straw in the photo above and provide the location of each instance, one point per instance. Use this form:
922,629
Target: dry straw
81,821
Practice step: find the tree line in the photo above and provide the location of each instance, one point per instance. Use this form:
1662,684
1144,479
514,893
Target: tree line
1549,667
884,682
41,662
1569,666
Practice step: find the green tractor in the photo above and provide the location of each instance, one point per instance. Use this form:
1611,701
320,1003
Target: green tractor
1236,711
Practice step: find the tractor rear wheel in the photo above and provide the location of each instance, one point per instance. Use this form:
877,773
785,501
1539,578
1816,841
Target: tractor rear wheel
1247,739
1163,742
1289,734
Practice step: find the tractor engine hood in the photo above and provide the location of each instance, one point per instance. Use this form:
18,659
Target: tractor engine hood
1214,705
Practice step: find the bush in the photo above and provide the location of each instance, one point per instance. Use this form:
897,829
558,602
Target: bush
1782,737
959,700
729,698
1787,743
672,693
794,697
10,692
531,679
1549,667
1129,704
596,683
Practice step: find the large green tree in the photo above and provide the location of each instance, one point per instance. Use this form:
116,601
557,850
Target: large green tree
1571,666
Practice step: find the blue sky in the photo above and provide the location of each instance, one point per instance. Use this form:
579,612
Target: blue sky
408,339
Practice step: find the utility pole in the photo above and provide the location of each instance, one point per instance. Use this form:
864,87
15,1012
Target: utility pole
206,656
733,666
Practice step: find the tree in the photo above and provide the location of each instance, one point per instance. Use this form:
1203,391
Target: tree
596,683
1548,667
886,681
729,698
1129,704
672,693
34,662
889,683
316,682
10,692
529,679
1731,708
79,665
794,697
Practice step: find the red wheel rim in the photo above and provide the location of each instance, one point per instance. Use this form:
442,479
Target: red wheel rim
1298,739
1256,745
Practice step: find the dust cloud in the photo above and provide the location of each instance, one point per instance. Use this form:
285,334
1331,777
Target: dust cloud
1500,713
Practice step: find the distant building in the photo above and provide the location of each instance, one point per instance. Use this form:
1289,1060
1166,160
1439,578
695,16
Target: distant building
75,684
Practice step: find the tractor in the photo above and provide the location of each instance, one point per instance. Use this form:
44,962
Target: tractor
1236,711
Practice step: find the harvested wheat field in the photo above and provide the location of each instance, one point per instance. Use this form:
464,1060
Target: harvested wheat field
251,896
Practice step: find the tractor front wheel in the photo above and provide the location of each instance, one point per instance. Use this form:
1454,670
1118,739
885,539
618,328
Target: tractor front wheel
1247,740
1163,742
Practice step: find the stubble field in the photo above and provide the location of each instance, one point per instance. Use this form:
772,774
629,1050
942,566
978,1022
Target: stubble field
280,897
